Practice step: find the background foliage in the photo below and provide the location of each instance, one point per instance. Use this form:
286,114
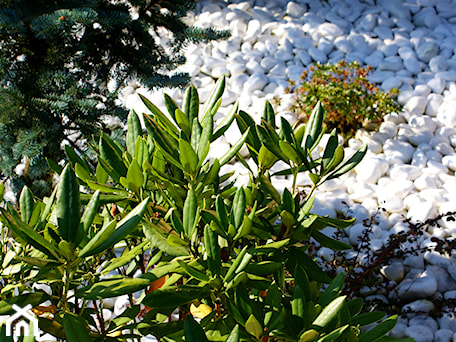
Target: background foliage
350,100
57,58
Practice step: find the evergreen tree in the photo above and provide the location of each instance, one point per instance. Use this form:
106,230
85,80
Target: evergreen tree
57,57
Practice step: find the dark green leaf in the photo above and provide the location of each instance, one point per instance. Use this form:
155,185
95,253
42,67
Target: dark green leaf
368,318
238,208
174,296
162,119
159,241
213,97
326,241
68,207
313,127
379,331
328,314
187,157
190,104
349,164
234,149
112,288
34,299
212,250
189,213
135,177
193,331
76,328
226,122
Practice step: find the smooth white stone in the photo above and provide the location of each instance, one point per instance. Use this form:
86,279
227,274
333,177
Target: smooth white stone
394,271
425,321
304,43
374,59
391,83
443,335
422,306
370,170
444,281
398,149
435,196
317,55
295,10
434,156
383,32
330,30
391,204
343,45
399,331
427,50
427,181
419,123
389,50
253,31
437,85
256,81
436,167
438,64
437,259
422,287
447,75
434,102
447,114
378,76
416,104
283,55
420,138
447,321
450,161
419,159
412,200
304,57
278,71
422,90
391,63
421,212
408,172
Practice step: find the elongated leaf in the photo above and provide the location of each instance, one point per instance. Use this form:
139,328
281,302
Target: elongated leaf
29,235
188,157
159,241
349,164
253,327
183,122
192,272
329,151
193,331
134,130
92,247
135,177
76,328
2,191
234,335
174,296
289,151
90,211
213,97
287,131
333,290
26,204
367,318
379,331
238,208
74,158
125,258
326,241
329,313
212,250
313,127
106,188
235,264
107,238
68,207
335,334
226,122
234,149
113,158
171,106
189,214
266,158
112,288
205,139
268,114
190,104
162,119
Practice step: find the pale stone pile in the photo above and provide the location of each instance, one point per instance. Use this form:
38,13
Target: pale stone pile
410,166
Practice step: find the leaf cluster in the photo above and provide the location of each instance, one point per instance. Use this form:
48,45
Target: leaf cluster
350,100
183,240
